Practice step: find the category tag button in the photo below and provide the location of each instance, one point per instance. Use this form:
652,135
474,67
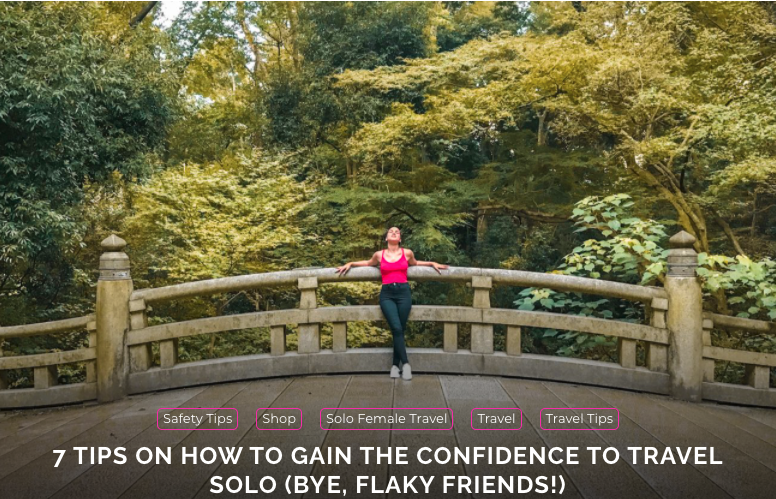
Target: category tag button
199,418
279,418
496,418
386,418
579,418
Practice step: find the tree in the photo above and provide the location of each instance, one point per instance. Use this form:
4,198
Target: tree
74,110
203,221
675,101
466,21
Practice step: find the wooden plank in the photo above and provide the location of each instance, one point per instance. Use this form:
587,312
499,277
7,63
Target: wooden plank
105,425
753,445
179,480
592,480
113,480
662,479
362,391
740,476
462,394
423,391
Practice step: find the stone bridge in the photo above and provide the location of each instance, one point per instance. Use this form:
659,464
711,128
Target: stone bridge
679,360
666,399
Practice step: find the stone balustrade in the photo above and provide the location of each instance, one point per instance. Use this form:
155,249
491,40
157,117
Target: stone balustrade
679,358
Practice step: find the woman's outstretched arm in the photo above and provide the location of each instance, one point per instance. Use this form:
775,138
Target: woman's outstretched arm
412,261
375,260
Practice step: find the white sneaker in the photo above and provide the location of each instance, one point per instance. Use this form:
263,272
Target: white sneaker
406,372
394,371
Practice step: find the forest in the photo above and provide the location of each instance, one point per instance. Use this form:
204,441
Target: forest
245,137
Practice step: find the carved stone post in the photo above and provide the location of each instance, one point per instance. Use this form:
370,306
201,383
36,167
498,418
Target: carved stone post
45,377
657,355
758,376
482,334
140,356
514,344
3,374
626,352
684,319
91,366
114,288
309,334
708,364
450,342
277,340
339,337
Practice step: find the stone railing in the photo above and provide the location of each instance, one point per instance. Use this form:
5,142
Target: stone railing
678,362
44,365
758,365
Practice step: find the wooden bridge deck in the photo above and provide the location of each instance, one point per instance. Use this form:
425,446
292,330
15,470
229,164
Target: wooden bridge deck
743,438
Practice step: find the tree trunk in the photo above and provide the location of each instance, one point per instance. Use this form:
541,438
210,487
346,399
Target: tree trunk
542,135
482,225
729,233
689,214
142,14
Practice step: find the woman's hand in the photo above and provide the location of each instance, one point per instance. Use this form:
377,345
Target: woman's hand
438,266
344,269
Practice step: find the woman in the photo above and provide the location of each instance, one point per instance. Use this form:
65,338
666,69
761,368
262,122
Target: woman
395,299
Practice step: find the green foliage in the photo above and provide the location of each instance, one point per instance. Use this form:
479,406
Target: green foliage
428,203
632,250
230,218
640,84
751,285
257,136
365,35
74,109
467,21
624,248
628,249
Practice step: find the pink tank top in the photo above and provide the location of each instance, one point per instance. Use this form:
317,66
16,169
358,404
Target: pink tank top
394,271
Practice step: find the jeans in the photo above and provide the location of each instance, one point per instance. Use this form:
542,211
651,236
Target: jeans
395,302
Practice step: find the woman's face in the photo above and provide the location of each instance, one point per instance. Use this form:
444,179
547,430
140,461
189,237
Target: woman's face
393,236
